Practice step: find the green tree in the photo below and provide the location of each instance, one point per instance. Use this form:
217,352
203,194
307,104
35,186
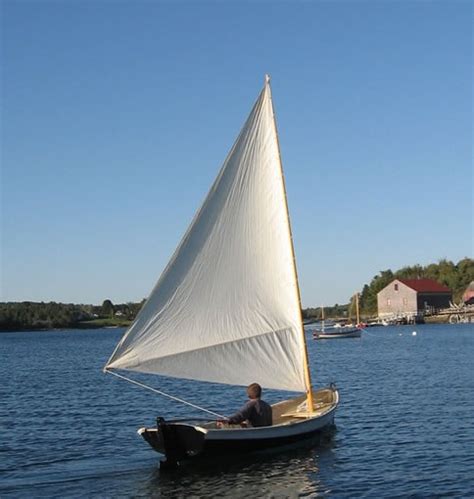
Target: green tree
107,309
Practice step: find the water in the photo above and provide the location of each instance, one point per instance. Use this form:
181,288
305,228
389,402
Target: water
405,426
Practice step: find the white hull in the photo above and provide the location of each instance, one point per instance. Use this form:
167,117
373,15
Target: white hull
341,332
181,441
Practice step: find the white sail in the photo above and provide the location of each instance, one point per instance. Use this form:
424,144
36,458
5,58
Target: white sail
226,308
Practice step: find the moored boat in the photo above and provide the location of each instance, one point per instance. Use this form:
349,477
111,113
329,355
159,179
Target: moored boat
342,332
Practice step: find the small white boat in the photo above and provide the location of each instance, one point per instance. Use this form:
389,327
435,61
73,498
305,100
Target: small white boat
338,330
341,332
227,308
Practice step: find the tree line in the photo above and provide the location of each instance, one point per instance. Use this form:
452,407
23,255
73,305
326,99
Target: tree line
16,316
33,315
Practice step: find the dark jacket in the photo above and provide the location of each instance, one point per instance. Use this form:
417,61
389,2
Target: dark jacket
255,411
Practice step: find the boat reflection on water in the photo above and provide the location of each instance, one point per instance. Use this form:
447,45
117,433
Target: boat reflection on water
292,473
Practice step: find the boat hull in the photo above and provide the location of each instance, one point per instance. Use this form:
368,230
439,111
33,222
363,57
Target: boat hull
180,441
353,333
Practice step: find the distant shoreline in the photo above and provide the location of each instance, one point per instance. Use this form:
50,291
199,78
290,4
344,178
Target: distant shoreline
111,324
81,326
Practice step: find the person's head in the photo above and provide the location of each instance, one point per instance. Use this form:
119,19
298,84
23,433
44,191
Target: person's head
254,391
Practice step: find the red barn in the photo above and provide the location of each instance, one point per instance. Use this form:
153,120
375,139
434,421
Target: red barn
412,296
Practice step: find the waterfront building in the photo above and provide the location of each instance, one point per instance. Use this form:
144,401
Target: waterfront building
403,297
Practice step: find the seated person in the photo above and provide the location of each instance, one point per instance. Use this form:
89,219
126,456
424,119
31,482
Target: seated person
255,412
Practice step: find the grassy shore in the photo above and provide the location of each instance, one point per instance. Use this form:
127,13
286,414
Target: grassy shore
98,323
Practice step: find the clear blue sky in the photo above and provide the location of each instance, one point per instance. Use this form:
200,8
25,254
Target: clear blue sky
116,117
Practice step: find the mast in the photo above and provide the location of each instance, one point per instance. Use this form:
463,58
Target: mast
357,309
307,373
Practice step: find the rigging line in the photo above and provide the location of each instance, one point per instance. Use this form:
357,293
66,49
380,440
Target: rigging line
164,394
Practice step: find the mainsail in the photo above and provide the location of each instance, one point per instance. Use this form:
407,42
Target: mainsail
226,308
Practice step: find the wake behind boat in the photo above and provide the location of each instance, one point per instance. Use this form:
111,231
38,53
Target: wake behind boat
227,307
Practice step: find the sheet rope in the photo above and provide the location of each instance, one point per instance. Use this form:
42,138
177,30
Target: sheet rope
164,394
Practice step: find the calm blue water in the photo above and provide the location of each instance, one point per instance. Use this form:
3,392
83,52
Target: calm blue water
405,426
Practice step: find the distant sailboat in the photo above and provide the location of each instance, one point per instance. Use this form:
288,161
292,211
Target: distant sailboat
322,328
338,331
227,307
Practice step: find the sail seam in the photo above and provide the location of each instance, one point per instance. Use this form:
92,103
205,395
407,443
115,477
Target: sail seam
215,345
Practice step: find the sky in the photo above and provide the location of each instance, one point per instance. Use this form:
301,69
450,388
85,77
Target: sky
117,115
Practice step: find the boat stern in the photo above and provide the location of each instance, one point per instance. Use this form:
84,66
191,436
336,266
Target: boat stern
153,437
176,440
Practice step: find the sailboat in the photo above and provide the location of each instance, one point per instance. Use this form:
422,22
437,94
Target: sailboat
227,308
322,329
341,331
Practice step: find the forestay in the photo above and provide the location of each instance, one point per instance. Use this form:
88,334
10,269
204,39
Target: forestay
226,308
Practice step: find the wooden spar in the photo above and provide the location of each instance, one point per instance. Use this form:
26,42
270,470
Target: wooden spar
307,373
357,309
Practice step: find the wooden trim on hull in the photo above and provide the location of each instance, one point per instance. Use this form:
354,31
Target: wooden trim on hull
216,447
182,442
